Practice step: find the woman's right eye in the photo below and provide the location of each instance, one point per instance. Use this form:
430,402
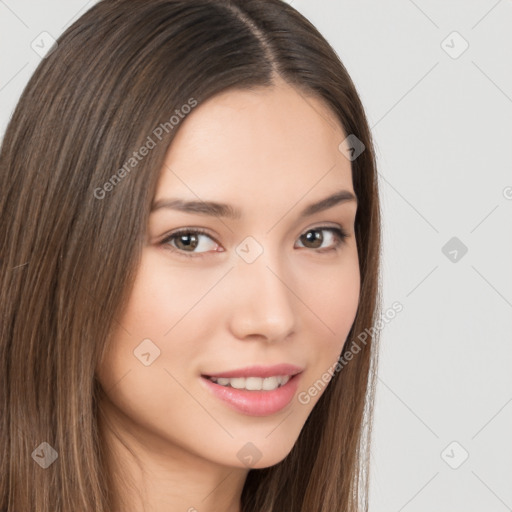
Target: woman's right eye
185,241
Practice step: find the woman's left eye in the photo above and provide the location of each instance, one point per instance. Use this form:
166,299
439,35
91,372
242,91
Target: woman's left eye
185,241
337,235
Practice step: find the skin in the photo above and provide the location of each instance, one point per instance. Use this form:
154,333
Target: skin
269,152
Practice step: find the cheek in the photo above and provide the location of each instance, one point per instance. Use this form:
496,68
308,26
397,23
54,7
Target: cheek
332,303
158,321
331,293
154,322
164,297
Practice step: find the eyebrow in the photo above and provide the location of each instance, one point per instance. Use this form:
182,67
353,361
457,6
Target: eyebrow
225,210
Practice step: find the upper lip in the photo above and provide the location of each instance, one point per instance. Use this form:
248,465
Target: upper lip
258,371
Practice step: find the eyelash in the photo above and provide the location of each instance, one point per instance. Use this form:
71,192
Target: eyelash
340,234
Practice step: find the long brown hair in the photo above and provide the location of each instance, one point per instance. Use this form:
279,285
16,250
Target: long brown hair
72,227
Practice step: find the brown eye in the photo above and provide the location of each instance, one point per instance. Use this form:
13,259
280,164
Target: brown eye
314,239
186,241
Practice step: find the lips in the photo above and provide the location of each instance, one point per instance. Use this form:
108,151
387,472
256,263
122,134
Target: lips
254,403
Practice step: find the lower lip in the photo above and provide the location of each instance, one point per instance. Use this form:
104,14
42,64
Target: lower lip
255,403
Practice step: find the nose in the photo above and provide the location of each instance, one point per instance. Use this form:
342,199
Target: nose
262,301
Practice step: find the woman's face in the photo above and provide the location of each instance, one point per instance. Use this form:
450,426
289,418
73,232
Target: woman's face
273,285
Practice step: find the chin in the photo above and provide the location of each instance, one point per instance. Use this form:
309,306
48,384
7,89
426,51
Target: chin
254,456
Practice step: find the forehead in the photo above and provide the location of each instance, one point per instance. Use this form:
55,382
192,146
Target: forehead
245,146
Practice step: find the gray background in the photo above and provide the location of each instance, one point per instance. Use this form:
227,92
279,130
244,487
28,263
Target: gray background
442,126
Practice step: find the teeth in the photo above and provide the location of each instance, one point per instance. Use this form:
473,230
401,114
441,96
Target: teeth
253,383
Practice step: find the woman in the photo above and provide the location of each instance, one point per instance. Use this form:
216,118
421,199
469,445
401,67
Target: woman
190,253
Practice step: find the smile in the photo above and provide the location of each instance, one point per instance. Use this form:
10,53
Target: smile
253,383
254,396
